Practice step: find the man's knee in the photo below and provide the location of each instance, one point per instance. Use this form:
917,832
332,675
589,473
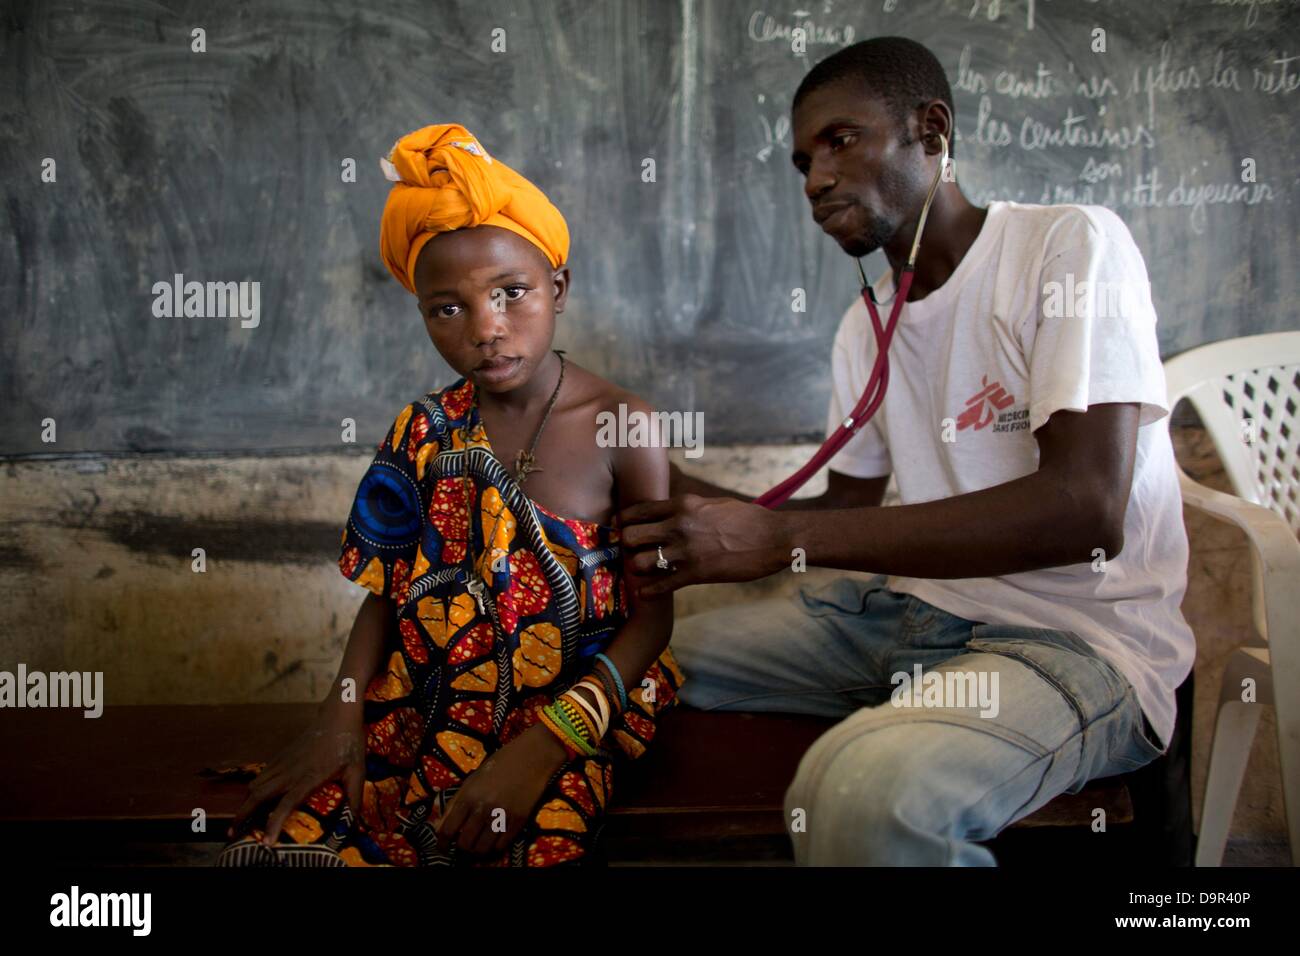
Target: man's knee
862,786
886,789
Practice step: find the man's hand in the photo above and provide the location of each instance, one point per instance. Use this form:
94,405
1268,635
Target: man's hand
705,540
1064,513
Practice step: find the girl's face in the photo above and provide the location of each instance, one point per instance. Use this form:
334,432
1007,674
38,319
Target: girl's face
489,298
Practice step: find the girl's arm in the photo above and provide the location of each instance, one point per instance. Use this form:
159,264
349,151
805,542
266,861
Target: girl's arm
333,748
363,656
515,777
640,474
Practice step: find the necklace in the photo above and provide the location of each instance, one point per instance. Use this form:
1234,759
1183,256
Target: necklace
525,461
525,464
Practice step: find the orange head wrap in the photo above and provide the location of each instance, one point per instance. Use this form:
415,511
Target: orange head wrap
444,180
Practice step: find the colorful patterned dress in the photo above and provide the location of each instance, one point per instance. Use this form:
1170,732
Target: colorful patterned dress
459,680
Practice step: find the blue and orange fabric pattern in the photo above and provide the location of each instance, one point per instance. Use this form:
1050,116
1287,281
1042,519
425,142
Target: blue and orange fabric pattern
466,673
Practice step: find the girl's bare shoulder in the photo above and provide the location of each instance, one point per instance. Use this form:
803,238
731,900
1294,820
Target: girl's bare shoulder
601,395
619,422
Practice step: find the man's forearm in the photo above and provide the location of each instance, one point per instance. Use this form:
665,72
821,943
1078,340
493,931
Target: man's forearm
1023,525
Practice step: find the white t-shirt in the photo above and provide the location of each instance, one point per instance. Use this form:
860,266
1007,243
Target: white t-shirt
1010,338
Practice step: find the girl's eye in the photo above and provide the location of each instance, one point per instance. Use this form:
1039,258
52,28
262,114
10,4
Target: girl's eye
515,292
842,139
446,311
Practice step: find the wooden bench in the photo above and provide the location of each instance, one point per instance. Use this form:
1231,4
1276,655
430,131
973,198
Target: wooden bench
713,787
710,789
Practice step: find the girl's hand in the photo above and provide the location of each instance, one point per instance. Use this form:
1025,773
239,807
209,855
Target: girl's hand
512,780
333,749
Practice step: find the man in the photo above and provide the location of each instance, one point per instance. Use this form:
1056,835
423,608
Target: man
1037,563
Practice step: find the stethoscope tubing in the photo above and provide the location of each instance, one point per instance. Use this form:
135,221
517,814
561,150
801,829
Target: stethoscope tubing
878,381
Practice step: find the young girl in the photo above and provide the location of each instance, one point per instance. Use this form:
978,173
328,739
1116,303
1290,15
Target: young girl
500,662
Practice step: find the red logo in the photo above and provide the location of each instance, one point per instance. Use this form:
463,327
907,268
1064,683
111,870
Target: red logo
981,406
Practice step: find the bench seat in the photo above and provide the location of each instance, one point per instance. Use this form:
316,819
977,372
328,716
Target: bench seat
709,779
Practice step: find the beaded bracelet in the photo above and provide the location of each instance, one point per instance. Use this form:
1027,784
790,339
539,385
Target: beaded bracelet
575,730
574,746
618,678
578,724
585,744
575,718
568,734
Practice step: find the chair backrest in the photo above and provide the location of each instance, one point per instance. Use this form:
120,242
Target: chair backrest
1247,393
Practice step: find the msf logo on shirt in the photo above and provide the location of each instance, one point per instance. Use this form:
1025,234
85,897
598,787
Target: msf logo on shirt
983,405
991,405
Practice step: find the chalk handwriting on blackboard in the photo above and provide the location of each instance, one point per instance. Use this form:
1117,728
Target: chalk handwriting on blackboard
775,132
1252,7
693,306
765,28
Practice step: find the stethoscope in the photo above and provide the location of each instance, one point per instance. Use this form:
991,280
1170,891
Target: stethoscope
874,393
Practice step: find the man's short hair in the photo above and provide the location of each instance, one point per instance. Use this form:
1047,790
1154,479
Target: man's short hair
902,71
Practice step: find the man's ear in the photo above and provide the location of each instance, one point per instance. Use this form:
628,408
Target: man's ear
935,117
560,283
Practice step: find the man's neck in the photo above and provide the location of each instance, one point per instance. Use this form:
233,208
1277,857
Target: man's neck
950,231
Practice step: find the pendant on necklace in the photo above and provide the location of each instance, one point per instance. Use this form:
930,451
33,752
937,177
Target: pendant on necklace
525,465
476,588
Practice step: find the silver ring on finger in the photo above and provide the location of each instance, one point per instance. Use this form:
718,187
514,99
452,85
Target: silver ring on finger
662,562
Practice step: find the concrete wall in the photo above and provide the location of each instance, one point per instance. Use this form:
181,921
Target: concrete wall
96,560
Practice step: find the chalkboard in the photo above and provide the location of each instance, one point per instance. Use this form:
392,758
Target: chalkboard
228,165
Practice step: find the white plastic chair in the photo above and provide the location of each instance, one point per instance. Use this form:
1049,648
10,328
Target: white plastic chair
1247,393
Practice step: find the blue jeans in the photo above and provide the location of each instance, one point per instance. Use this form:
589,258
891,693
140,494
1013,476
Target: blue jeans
914,785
